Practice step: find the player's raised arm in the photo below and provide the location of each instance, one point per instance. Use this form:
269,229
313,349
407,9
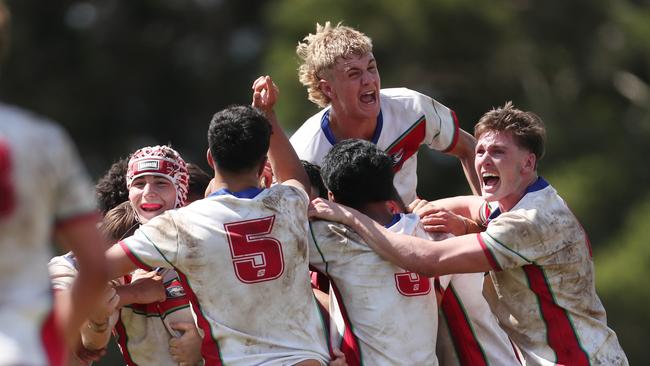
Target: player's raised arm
462,254
284,160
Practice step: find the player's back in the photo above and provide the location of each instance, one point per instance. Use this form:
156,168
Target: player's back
382,314
41,183
244,262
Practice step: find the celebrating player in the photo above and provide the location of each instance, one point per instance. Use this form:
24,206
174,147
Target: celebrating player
536,251
242,252
374,302
342,77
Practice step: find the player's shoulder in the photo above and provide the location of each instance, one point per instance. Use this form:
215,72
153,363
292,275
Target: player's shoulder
28,122
324,231
309,129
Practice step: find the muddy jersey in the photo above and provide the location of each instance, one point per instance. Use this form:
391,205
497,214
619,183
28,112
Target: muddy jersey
407,120
242,258
381,314
468,332
544,292
143,331
42,184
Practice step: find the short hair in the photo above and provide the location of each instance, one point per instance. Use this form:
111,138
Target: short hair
315,178
199,181
119,222
527,128
239,138
319,52
111,187
358,173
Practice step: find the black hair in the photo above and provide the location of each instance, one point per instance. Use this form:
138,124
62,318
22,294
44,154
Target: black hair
111,187
199,181
358,173
239,138
315,179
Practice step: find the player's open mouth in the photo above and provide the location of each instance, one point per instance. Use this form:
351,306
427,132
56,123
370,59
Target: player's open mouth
490,180
149,207
369,97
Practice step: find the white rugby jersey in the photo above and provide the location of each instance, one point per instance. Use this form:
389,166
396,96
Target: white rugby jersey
42,183
381,314
544,292
243,260
468,332
143,331
407,120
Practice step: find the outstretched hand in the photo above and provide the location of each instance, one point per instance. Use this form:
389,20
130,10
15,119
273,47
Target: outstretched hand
265,94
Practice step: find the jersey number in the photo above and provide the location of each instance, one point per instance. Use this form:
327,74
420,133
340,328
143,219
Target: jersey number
256,258
412,284
7,194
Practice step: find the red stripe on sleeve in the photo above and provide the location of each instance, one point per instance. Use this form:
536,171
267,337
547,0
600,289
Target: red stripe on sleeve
454,140
133,258
561,336
488,254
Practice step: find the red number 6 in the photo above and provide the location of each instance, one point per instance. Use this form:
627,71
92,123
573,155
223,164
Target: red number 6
256,258
412,284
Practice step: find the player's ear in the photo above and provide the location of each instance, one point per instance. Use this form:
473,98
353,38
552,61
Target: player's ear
330,196
208,156
529,163
326,88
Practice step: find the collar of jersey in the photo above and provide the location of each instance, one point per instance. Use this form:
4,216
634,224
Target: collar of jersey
325,126
251,192
393,221
539,184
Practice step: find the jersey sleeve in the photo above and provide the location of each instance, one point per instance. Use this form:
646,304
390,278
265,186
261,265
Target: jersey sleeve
442,125
154,244
75,194
62,272
511,241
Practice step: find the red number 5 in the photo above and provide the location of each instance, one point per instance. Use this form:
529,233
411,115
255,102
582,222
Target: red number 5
412,284
256,258
7,197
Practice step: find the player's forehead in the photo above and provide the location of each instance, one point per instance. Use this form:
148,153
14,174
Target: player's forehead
151,178
495,139
345,63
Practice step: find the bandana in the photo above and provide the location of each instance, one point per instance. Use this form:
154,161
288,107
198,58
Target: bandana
162,161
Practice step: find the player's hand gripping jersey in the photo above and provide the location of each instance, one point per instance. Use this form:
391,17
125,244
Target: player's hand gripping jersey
541,257
243,260
407,120
381,314
41,179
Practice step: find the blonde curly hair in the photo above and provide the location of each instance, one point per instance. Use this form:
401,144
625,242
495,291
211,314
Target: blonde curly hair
319,52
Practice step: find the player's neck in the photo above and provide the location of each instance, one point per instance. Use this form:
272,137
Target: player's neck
345,127
510,201
234,182
377,211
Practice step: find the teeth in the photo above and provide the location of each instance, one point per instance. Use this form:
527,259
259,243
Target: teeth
489,175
